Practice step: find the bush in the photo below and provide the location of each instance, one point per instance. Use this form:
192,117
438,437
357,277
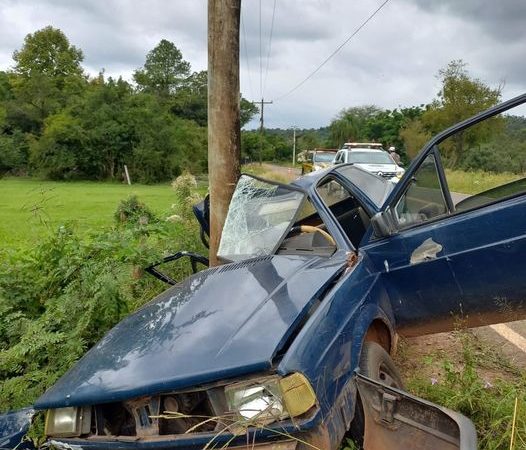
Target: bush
58,299
132,212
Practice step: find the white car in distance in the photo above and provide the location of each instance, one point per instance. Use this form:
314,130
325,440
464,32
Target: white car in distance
372,158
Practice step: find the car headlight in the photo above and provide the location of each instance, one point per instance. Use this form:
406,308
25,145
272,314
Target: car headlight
266,400
400,173
68,422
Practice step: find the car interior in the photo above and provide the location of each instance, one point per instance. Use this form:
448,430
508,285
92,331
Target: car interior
309,234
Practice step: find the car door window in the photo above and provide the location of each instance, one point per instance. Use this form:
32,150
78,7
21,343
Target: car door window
345,208
424,198
486,163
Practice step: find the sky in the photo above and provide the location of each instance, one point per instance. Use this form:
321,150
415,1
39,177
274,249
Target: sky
392,62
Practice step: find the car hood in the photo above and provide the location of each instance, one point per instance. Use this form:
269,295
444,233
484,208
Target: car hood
219,323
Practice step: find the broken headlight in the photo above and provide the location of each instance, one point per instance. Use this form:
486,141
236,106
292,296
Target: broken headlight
266,400
68,422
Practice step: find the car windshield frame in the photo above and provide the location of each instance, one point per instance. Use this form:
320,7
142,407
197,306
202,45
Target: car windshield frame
242,213
358,153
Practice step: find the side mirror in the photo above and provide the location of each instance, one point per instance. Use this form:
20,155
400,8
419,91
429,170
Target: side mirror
383,224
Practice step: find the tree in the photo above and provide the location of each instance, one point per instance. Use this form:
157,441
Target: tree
59,153
191,102
104,114
47,74
349,124
308,140
460,97
164,71
247,111
48,52
414,136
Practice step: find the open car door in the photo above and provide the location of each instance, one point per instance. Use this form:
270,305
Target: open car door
397,420
452,243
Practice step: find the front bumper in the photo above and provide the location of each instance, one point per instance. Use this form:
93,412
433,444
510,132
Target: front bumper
278,445
283,436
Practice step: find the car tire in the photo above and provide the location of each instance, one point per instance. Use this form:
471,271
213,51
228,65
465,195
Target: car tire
375,363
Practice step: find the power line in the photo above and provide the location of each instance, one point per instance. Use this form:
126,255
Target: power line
355,32
269,44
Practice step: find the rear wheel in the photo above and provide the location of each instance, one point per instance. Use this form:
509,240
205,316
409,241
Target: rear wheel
375,363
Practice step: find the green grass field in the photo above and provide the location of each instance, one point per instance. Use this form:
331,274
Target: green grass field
28,206
476,181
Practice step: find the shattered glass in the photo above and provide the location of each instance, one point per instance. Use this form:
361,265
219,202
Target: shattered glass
259,215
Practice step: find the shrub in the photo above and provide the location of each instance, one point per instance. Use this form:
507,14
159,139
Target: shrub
58,299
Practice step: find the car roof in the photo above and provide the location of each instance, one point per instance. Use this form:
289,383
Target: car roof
309,181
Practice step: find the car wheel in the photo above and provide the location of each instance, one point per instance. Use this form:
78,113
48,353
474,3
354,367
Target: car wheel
375,363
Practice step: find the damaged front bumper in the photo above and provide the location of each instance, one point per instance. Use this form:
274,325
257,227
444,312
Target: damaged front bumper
286,435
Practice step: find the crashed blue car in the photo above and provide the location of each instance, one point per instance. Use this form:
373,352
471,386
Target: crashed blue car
286,346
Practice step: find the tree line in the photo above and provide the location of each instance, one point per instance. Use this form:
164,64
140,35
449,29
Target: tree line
408,129
59,123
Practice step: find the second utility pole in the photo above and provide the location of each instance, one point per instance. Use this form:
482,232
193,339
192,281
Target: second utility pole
262,103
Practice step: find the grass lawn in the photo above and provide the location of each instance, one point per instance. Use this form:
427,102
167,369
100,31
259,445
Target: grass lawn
474,182
29,206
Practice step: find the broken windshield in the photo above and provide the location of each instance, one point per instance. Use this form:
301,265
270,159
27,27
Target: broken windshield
259,216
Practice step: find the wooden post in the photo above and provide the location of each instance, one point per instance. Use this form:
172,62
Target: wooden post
127,175
224,142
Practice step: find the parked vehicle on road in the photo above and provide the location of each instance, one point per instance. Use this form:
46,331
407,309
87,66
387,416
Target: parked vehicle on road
318,159
374,160
287,344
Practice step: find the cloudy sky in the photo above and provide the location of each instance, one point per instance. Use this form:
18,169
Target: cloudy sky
391,62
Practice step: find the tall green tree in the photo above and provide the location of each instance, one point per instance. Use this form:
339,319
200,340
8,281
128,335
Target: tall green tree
349,124
48,52
47,74
191,101
164,71
460,97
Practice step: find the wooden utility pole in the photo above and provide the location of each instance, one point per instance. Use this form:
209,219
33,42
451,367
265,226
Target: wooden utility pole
262,129
224,142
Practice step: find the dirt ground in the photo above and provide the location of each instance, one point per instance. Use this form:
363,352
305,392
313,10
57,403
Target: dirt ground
425,356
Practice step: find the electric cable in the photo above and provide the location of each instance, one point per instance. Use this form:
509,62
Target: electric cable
355,32
269,45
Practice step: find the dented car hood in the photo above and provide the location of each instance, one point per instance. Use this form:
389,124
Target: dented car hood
220,323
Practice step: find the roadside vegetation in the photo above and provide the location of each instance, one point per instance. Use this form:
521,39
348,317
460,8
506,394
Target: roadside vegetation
466,374
59,297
